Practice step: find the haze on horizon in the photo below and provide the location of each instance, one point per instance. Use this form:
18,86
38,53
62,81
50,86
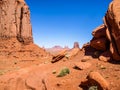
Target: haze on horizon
63,22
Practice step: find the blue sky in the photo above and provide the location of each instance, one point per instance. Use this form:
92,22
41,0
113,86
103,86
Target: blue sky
63,22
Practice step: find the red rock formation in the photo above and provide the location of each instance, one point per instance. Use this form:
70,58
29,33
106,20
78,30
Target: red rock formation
99,31
76,45
112,21
99,40
110,30
16,41
95,78
99,43
15,21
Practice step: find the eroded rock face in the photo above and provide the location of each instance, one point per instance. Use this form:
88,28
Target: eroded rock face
112,20
99,31
15,21
109,30
16,41
99,43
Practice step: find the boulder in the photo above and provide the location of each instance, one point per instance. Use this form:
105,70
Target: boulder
65,53
95,79
59,56
99,31
72,53
86,58
98,78
105,56
99,43
82,65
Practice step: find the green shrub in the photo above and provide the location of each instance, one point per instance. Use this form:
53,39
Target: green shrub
96,54
64,72
93,88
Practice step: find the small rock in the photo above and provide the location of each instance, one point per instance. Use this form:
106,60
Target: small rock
106,56
102,67
86,58
103,58
54,72
57,58
81,66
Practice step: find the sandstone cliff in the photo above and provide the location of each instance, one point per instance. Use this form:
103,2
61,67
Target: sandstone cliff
15,21
107,36
16,41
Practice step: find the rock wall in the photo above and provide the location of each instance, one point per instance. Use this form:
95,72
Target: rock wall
15,21
16,41
107,36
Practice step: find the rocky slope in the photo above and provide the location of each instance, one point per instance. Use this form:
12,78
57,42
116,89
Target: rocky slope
85,73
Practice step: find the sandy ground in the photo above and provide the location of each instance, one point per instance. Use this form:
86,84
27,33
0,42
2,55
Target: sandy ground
47,73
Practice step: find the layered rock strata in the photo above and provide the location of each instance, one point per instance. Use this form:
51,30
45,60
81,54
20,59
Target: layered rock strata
16,40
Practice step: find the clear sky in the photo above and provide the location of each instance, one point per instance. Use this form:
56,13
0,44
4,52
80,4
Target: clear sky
63,22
